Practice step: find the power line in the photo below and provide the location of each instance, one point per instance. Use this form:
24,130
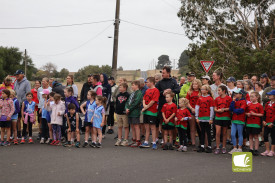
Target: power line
83,44
55,26
147,27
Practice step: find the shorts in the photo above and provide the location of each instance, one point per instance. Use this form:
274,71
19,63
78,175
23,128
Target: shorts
151,120
168,127
222,123
133,121
88,124
159,119
5,124
141,118
253,131
122,120
73,128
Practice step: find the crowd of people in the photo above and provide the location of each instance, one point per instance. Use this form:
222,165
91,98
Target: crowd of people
236,112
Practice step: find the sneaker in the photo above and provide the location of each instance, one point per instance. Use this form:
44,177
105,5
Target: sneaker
47,141
154,147
132,142
93,144
247,144
116,137
184,149
22,141
63,139
109,131
144,145
15,142
270,154
136,144
103,136
67,144
118,142
224,150
161,142
180,148
85,144
265,153
200,149
50,141
256,153
6,143
208,150
53,142
240,150
42,141
217,151
125,143
98,145
170,147
77,144
233,150
30,141
57,143
165,147
251,150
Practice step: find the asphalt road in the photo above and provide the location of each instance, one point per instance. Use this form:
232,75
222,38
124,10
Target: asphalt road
39,163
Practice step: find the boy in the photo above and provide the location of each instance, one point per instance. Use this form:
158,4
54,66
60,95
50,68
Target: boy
133,111
122,119
150,112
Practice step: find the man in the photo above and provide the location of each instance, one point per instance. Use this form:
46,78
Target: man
184,89
85,88
268,89
254,79
264,80
245,77
21,86
217,77
182,81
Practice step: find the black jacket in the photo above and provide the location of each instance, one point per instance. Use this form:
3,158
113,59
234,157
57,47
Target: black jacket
121,100
84,91
58,88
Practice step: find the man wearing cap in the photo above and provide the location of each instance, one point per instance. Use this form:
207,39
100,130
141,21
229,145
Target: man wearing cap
231,85
268,89
21,86
85,88
264,80
184,89
182,81
205,80
217,77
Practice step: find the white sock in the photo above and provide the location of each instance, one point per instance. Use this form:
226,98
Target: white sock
86,141
154,142
146,142
30,137
202,146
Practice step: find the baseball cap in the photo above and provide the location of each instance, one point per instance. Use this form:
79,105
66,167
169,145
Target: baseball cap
273,78
19,72
205,77
45,91
264,75
271,93
190,74
111,78
231,79
240,91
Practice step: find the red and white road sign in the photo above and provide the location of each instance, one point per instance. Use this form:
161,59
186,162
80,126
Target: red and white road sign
207,65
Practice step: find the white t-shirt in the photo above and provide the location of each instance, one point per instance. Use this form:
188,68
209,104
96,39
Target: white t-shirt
230,91
214,89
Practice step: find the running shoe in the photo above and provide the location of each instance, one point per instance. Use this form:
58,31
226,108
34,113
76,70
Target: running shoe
144,145
154,147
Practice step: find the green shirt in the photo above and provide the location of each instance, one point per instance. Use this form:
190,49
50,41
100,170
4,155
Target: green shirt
184,89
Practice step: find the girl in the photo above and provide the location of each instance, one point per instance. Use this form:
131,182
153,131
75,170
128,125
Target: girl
193,95
223,117
89,112
58,110
34,91
70,83
231,85
238,107
29,117
14,117
182,117
48,117
98,120
169,111
240,85
45,129
254,112
269,120
204,113
6,111
248,86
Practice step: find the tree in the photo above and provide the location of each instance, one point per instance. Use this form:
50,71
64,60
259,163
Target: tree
50,68
163,60
63,73
82,73
120,68
184,59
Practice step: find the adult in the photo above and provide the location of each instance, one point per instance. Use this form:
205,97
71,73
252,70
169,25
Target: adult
58,88
185,88
96,85
110,119
231,85
70,82
248,86
21,86
7,84
206,80
254,79
120,81
51,80
264,80
217,79
182,81
259,88
245,77
268,89
85,88
158,77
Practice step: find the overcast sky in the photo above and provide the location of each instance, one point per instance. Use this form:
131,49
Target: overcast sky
89,44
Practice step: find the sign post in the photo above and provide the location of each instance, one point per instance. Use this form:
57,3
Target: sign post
207,65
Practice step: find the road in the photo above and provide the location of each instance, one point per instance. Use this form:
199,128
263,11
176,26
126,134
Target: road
39,163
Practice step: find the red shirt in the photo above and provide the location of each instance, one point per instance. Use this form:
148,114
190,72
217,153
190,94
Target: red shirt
34,98
254,121
239,118
168,110
223,103
182,113
269,112
193,98
205,103
151,95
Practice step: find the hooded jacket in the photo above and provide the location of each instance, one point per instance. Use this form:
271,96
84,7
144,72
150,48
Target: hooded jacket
22,88
106,90
58,88
84,91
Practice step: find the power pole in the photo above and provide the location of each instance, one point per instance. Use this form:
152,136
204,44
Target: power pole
115,48
25,58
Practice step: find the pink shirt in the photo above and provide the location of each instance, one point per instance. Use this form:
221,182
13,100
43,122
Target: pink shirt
7,107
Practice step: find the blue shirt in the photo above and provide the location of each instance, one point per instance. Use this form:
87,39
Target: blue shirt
90,108
29,107
99,110
69,100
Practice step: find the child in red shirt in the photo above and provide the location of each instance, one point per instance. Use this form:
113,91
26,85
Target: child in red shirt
254,112
168,125
204,114
182,117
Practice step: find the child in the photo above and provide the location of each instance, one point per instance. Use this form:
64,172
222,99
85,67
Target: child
44,125
182,117
73,126
269,124
222,118
58,109
48,117
150,112
29,117
121,116
169,111
14,117
90,108
6,111
204,112
132,107
98,120
238,107
254,112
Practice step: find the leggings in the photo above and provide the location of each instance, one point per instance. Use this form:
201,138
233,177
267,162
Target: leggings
56,132
110,119
234,128
24,133
268,131
205,128
182,136
45,128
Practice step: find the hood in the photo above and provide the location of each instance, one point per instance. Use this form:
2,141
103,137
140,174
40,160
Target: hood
105,82
24,79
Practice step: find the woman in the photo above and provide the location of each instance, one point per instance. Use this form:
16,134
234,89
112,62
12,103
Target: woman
7,84
70,82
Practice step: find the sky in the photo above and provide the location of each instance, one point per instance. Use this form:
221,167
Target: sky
73,47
